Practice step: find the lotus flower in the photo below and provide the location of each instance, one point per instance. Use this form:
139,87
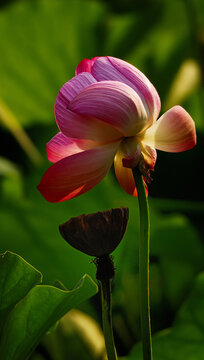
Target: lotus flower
108,113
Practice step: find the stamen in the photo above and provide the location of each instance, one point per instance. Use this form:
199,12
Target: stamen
145,170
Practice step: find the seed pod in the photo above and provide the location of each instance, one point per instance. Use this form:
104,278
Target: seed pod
96,234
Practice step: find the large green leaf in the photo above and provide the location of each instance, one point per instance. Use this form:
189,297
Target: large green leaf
41,50
37,307
17,277
176,257
185,340
177,245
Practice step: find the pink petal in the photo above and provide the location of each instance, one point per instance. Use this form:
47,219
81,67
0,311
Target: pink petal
124,175
114,103
173,132
110,68
60,146
79,126
85,65
72,87
76,174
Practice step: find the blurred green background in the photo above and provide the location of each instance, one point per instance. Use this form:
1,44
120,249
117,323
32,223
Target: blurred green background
41,43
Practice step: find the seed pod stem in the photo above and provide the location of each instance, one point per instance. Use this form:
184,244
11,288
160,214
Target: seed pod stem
104,274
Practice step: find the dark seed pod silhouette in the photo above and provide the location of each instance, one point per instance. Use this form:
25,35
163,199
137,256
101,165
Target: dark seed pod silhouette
96,234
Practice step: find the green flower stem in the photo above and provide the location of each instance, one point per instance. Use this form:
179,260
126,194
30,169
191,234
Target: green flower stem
107,318
144,266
